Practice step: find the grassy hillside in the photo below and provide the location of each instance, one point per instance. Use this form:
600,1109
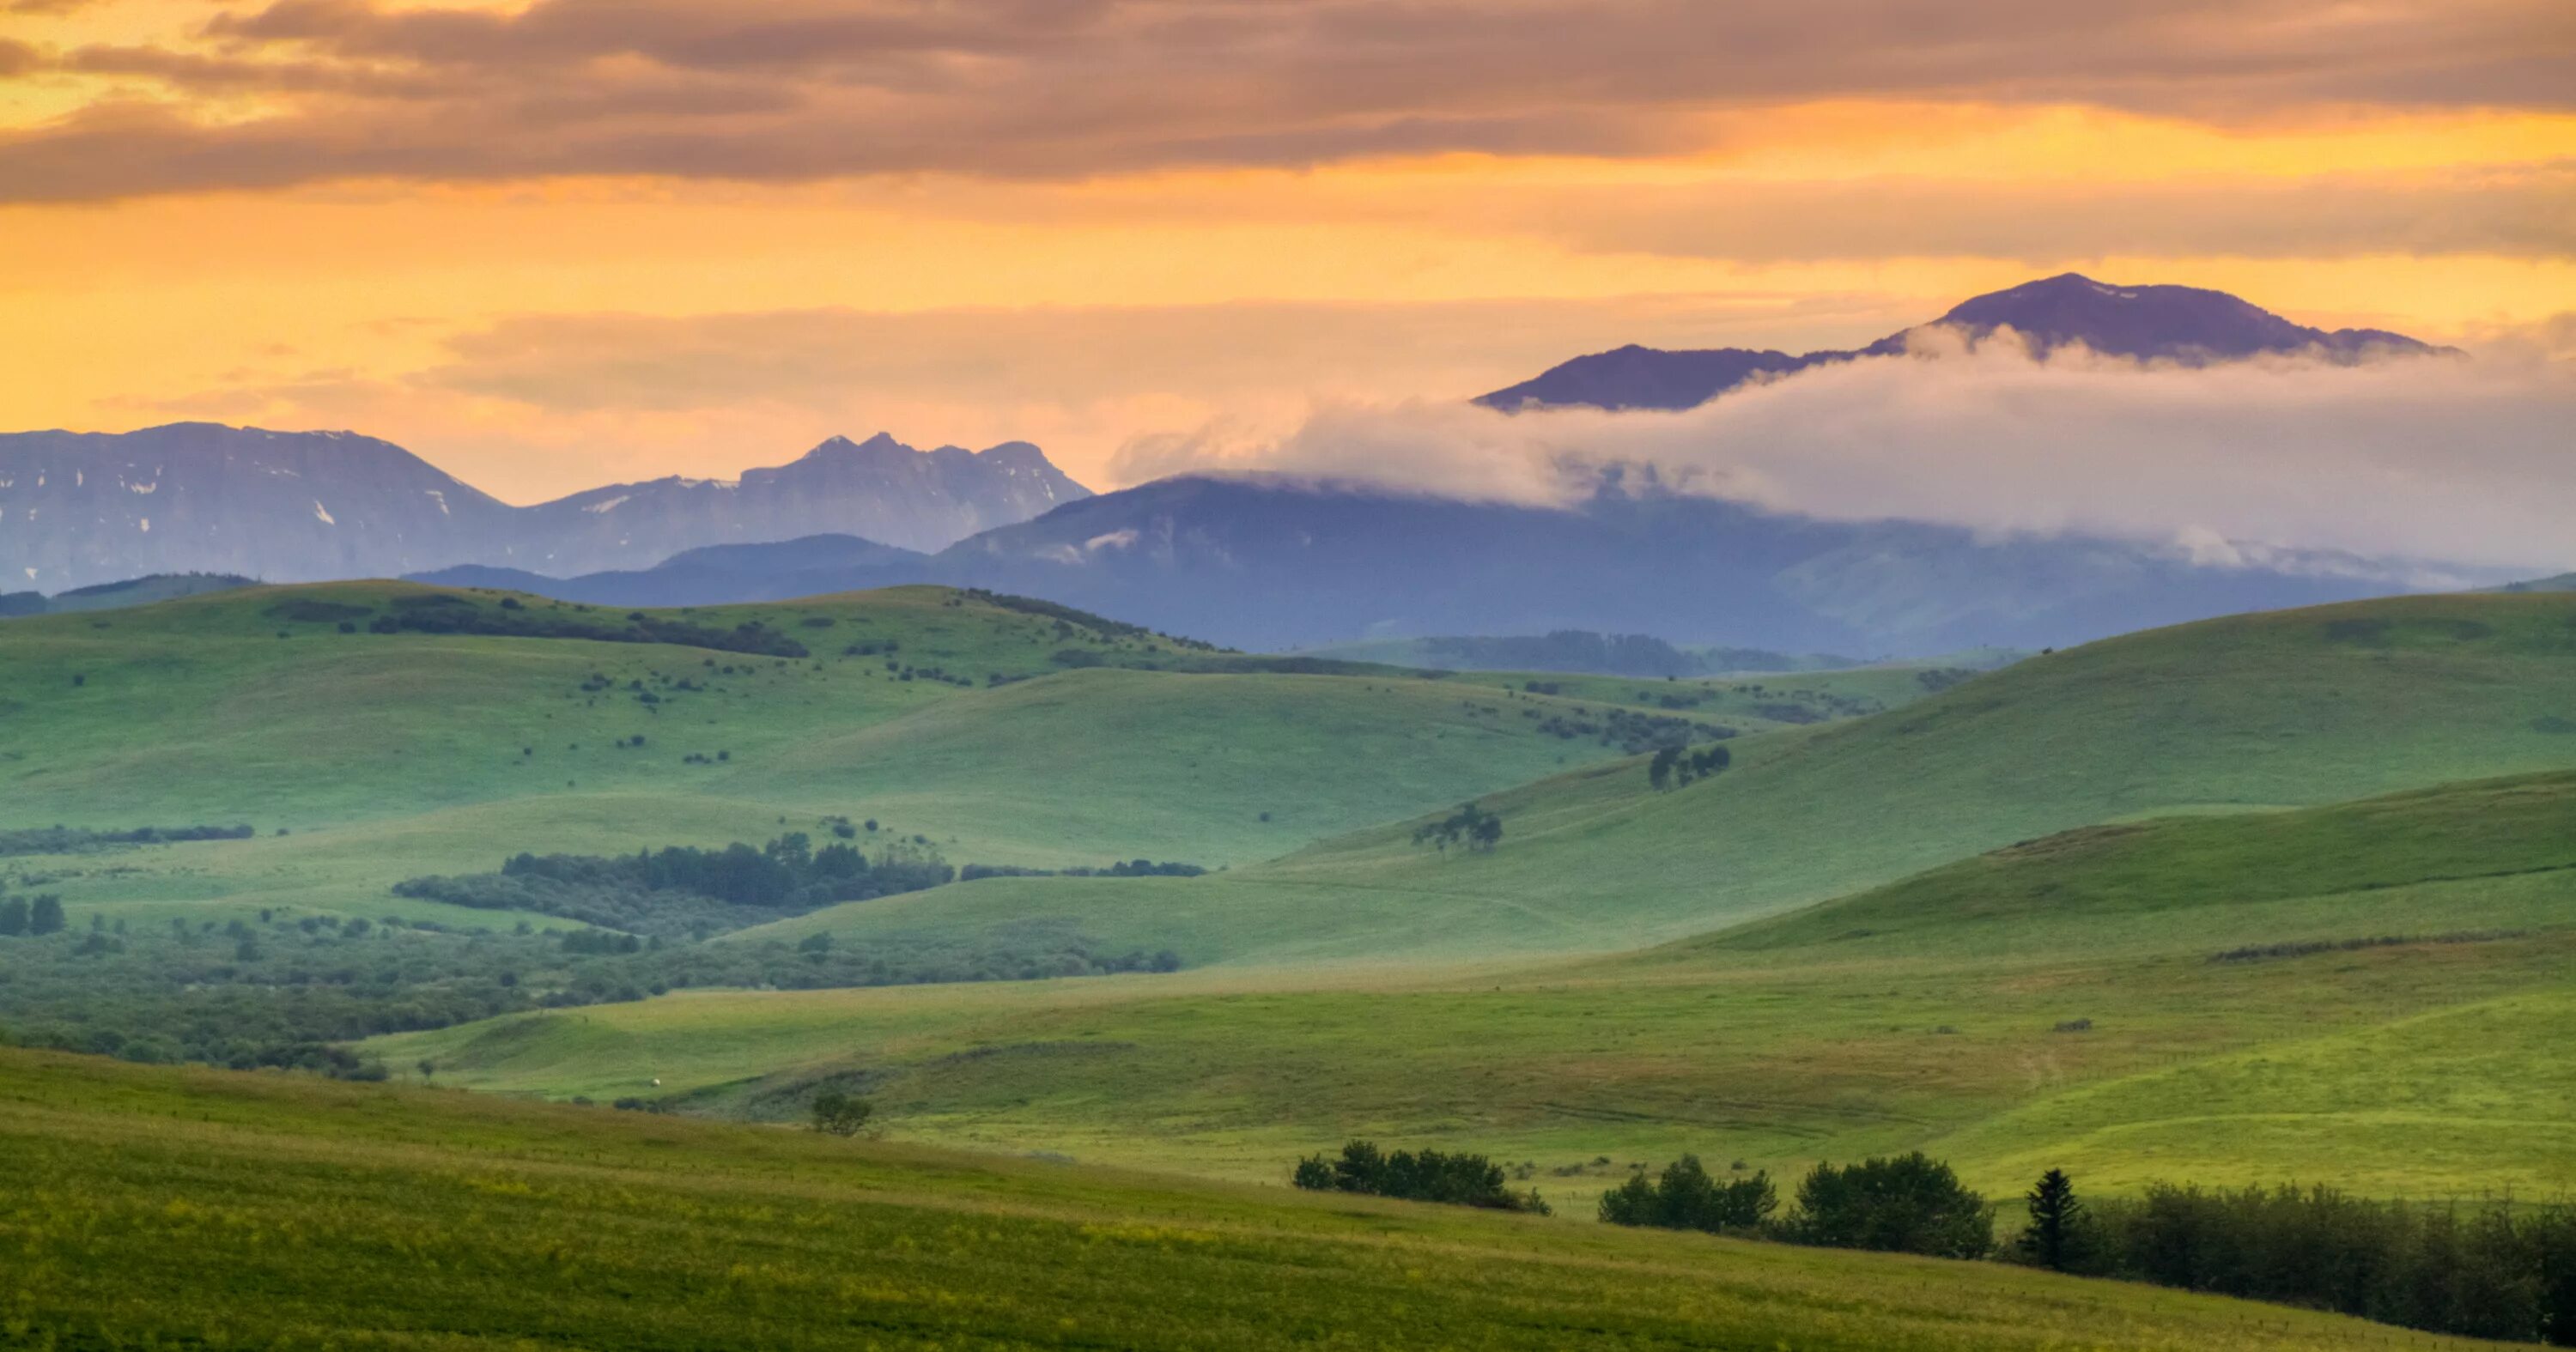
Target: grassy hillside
156,1207
2371,994
2244,714
553,727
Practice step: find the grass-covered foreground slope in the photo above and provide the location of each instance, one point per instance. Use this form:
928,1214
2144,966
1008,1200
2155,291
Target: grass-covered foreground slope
2240,714
2371,994
149,1207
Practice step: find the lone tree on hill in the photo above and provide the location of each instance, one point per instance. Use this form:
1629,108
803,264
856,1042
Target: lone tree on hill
839,1114
2056,1232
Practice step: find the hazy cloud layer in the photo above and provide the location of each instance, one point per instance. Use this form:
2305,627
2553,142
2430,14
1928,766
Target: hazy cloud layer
1066,88
2452,459
544,404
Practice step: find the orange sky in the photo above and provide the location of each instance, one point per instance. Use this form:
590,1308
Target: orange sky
553,245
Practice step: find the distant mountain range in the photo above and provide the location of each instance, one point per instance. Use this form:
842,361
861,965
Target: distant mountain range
1252,561
810,565
140,591
2162,323
1279,564
301,506
1287,564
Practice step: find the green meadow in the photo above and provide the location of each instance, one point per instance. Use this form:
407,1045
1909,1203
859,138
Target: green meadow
153,1207
2246,714
2225,999
2275,897
364,758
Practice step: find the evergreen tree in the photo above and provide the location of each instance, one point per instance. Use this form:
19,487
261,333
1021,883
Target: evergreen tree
2056,1221
46,916
13,916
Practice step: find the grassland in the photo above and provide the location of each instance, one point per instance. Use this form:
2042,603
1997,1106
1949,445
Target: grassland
2078,1001
151,1207
388,755
2246,714
1967,976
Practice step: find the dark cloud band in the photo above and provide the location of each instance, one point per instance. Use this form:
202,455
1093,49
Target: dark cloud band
808,89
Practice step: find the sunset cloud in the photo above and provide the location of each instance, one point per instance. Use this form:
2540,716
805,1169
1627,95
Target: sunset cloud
1054,89
554,242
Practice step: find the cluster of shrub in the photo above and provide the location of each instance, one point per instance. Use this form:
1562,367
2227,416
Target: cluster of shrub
440,613
1067,620
2269,952
1676,763
2498,1270
277,993
682,889
940,674
291,990
1425,1176
1132,868
1633,731
1471,825
66,839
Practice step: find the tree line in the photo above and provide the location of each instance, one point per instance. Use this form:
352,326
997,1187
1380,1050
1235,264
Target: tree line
272,988
1128,868
67,839
2495,1270
683,889
442,613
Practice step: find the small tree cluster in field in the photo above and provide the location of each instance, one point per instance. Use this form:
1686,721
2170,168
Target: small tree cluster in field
1684,1197
680,889
1908,1204
1676,766
1480,830
1911,1203
1425,1176
32,917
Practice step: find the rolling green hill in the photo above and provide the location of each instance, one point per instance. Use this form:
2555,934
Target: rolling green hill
2369,993
482,724
152,1207
2244,714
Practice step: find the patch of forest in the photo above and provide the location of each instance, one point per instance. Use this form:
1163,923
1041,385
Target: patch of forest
683,890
